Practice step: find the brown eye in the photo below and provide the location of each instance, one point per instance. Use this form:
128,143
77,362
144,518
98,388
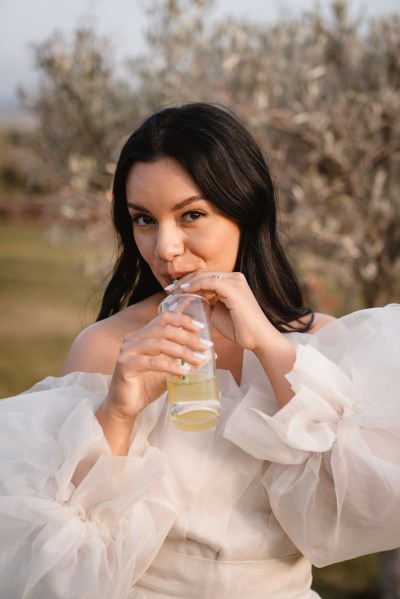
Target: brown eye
192,215
142,220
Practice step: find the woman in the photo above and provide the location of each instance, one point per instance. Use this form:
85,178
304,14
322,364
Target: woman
103,497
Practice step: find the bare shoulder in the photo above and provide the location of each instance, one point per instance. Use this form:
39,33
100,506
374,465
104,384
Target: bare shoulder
96,348
320,321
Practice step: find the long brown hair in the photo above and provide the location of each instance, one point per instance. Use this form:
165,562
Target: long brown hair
227,164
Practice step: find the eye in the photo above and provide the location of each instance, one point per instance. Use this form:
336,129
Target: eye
142,220
192,215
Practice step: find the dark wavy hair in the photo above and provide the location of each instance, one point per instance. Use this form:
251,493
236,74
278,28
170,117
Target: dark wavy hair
228,166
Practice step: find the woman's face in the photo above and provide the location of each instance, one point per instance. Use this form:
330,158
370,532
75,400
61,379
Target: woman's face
177,230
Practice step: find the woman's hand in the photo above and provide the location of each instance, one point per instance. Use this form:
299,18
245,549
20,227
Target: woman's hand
235,313
238,317
169,344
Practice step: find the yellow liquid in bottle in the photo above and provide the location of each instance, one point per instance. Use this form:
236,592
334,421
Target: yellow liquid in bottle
194,401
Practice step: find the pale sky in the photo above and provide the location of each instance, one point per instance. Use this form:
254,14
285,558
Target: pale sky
25,21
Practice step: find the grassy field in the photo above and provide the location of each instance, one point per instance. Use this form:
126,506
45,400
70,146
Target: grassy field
46,299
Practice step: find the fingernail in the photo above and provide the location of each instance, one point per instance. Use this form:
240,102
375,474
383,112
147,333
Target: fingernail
168,287
197,324
198,356
184,367
206,342
184,285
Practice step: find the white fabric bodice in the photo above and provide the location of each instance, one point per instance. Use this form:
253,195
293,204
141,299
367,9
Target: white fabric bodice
224,531
227,512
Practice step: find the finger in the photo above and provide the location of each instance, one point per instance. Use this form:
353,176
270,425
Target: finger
179,320
206,284
202,283
153,347
161,363
157,334
223,284
169,324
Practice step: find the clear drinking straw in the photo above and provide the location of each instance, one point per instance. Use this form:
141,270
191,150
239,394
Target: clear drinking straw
184,376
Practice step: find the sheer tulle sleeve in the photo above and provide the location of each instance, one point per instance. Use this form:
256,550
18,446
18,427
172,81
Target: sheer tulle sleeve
334,478
59,540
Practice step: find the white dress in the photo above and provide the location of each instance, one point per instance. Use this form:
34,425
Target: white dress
237,511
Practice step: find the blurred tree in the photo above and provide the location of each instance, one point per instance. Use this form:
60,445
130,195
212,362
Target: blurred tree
322,99
320,93
83,109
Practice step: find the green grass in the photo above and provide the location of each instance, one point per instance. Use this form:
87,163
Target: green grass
46,299
354,579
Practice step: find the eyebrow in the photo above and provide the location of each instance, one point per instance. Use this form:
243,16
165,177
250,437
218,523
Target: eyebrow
176,207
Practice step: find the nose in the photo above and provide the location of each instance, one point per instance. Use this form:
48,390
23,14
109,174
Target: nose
169,243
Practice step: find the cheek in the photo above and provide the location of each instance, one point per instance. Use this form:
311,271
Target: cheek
143,244
236,235
225,248
233,242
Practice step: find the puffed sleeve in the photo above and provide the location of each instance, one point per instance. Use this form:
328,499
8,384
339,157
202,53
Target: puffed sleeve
334,476
60,540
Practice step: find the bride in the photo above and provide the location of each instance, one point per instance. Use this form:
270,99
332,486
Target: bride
102,496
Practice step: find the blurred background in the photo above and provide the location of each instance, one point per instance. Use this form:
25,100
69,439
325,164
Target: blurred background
318,84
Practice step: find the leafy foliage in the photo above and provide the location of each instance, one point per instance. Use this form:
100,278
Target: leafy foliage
81,105
320,93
